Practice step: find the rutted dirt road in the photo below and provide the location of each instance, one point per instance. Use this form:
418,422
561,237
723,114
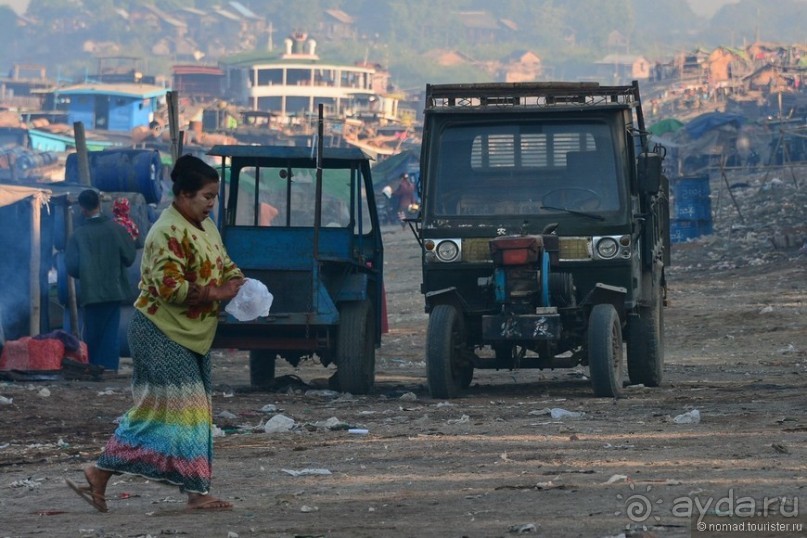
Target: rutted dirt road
492,463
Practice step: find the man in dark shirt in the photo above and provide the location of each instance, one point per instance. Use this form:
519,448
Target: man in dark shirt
98,254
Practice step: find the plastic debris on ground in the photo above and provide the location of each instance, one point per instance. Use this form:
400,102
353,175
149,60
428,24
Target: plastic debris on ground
278,424
690,417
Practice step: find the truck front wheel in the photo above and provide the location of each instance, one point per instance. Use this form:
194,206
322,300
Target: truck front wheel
605,351
446,371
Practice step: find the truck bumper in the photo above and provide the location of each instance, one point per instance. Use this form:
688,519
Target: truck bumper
525,327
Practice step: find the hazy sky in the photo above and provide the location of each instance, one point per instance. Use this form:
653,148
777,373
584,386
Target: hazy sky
706,8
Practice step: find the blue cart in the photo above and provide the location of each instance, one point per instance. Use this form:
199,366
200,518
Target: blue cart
304,222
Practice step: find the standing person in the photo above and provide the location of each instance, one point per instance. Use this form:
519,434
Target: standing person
185,273
98,254
405,194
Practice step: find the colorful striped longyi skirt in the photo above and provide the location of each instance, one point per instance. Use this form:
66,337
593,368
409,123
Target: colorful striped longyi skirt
167,435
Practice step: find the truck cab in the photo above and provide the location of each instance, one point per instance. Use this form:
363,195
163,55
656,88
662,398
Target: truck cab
544,233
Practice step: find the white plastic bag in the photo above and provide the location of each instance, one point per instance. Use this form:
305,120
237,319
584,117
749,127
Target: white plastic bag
253,300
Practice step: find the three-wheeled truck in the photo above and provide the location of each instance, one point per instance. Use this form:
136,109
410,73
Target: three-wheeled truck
544,229
303,221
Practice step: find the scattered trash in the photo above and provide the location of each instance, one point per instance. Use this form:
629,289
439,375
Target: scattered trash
307,472
780,448
278,423
539,412
617,478
6,401
227,414
29,483
43,392
558,413
218,432
464,419
408,396
232,534
767,310
269,408
690,417
523,528
445,404
305,508
332,424
321,393
358,431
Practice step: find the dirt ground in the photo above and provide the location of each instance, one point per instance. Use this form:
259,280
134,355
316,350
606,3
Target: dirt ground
491,463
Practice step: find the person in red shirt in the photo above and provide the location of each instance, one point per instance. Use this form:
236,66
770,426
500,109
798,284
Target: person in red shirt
405,195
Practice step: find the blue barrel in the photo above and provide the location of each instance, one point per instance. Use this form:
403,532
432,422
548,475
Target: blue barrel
691,208
683,230
122,170
691,198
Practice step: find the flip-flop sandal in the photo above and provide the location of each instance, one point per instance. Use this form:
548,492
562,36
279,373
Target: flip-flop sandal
97,500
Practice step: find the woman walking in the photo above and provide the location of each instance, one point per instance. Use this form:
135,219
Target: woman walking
185,274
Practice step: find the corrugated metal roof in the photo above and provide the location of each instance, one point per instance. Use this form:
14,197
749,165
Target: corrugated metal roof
226,14
168,19
340,16
243,10
125,90
478,19
196,70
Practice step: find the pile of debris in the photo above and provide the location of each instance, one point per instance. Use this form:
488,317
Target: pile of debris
759,217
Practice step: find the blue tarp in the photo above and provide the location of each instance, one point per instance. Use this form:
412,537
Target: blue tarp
712,120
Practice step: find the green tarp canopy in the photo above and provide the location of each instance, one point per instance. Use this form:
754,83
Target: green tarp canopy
667,125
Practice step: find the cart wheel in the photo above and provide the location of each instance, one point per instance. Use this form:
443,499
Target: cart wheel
355,348
605,351
646,343
262,367
446,371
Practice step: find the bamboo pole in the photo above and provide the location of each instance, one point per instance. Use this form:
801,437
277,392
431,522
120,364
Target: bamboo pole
82,154
72,302
36,260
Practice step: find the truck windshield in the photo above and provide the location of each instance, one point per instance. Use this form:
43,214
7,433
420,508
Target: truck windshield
527,168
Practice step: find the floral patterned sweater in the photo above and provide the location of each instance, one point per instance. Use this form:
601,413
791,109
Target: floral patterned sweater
180,263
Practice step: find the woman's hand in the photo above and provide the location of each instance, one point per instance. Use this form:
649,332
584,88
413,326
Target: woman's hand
228,290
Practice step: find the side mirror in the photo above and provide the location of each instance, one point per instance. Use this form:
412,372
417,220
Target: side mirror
649,170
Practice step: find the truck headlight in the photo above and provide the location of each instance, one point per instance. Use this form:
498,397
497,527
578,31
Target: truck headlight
607,248
447,250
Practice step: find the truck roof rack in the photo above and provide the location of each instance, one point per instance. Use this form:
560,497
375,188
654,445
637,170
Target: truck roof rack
532,94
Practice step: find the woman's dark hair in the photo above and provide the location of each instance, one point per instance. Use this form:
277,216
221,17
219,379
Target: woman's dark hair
191,174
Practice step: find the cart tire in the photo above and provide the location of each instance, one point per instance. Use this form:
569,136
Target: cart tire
445,341
355,348
646,346
262,367
605,351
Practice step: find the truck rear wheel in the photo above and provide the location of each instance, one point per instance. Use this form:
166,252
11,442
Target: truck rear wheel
446,371
262,367
355,348
605,351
